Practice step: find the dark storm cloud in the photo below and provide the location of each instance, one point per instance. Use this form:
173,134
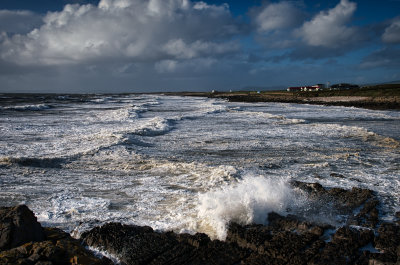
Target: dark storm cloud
139,30
20,22
181,44
387,57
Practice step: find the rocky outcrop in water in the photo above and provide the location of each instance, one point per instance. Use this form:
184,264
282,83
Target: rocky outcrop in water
24,241
18,225
285,240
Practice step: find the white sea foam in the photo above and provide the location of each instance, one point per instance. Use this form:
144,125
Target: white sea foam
248,201
154,126
269,117
36,107
331,130
145,159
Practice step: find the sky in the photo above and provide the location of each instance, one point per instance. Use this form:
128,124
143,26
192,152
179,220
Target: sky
113,46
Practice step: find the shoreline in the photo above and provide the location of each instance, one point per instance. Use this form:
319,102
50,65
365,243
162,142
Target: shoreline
363,239
366,102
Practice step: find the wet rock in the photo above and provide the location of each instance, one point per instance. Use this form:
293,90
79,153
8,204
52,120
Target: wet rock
314,189
342,200
350,198
58,248
368,215
18,225
336,175
26,242
388,242
284,241
398,218
344,246
141,245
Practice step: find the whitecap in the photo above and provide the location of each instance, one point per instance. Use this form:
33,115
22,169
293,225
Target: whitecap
37,107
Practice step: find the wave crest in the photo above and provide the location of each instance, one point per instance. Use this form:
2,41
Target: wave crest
37,107
249,201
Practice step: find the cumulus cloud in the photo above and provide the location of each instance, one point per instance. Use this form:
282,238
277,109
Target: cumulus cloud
19,22
277,16
125,30
392,32
329,28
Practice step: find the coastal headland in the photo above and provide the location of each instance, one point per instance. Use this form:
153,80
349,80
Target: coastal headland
364,239
379,97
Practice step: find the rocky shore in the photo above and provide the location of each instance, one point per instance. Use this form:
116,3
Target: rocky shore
380,97
376,103
364,239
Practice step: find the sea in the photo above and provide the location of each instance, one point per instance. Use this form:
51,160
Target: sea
188,164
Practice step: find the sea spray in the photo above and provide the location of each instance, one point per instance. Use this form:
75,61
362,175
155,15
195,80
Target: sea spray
247,201
144,159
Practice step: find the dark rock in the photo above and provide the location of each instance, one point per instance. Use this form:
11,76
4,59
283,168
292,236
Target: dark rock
335,175
61,250
368,216
388,242
141,245
398,218
18,225
343,202
285,240
314,189
24,241
343,249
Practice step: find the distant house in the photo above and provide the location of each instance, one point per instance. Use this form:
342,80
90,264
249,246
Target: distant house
311,88
306,88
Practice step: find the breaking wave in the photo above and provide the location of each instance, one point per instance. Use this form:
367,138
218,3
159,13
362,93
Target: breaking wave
277,119
37,107
248,201
154,126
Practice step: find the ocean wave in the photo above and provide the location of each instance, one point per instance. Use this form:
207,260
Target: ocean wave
353,131
276,119
247,201
68,207
37,107
155,126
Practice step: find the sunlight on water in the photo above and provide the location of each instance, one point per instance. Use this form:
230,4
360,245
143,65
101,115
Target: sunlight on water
187,164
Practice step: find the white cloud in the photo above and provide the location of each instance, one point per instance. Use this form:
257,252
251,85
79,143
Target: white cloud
329,29
179,49
277,16
166,66
125,30
392,32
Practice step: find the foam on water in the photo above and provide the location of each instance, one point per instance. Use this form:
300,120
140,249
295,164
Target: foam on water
154,126
247,201
37,107
189,164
